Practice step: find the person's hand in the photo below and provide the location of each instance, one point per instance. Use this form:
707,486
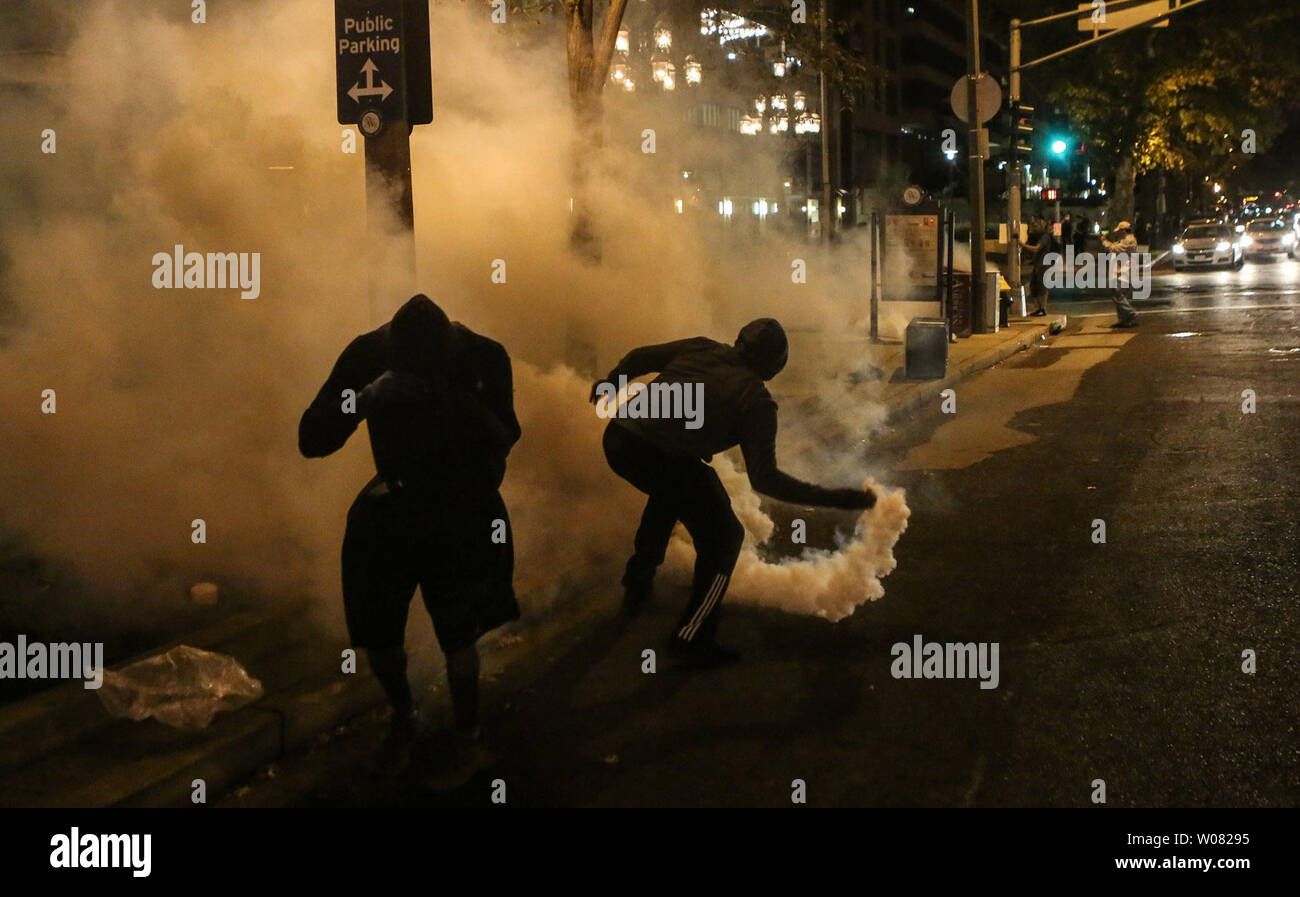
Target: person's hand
366,397
391,386
855,499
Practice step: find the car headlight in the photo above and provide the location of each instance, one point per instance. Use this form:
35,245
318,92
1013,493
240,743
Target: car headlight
1246,240
1178,249
1223,246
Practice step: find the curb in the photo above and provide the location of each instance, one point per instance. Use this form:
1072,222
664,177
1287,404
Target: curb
58,717
918,393
236,745
902,398
110,762
64,750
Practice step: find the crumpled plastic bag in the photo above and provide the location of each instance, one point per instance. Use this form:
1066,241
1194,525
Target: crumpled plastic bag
183,688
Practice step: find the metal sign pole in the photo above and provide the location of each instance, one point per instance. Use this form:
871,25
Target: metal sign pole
938,257
882,237
384,87
952,246
1014,177
874,287
388,193
976,172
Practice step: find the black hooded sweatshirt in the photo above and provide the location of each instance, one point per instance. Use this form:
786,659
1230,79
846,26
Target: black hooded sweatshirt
738,410
440,400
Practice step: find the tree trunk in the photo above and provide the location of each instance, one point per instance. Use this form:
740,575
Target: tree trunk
580,46
588,57
1121,198
588,140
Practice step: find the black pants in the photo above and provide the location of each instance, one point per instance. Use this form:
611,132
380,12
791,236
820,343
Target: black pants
686,489
394,543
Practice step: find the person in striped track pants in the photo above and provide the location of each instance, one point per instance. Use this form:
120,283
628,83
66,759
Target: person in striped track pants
664,455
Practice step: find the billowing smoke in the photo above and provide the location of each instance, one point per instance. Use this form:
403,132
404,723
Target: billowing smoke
181,404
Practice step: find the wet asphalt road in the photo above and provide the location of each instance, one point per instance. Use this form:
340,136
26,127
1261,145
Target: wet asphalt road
1119,661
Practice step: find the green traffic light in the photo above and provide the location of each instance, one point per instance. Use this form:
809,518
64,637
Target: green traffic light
1059,146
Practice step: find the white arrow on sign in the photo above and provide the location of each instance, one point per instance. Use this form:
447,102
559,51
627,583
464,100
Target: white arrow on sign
356,91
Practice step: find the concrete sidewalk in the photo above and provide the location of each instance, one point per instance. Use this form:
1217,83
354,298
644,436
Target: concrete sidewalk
876,371
60,748
965,357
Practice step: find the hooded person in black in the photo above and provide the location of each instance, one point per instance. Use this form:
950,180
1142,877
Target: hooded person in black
438,401
664,457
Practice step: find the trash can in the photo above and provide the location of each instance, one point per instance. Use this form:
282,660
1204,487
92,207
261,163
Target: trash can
925,353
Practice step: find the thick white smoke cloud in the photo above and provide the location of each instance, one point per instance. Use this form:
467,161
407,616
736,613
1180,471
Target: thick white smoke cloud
183,404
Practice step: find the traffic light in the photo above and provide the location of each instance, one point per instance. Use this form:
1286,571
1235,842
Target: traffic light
1022,131
1058,162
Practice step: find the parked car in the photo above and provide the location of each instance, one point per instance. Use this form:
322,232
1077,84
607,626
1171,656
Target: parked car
1209,246
1269,237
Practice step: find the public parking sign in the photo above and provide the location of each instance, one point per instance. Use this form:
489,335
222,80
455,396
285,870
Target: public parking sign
369,44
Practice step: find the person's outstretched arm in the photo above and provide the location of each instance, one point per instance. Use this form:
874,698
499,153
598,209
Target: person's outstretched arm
759,448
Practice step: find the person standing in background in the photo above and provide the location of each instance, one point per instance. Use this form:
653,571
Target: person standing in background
1124,245
1042,242
1081,233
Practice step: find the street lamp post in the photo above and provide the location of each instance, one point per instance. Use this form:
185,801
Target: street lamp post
976,173
1014,176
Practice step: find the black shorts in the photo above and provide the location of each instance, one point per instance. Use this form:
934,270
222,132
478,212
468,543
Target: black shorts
392,545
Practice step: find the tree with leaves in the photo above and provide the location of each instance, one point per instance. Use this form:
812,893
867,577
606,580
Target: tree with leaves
1183,98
